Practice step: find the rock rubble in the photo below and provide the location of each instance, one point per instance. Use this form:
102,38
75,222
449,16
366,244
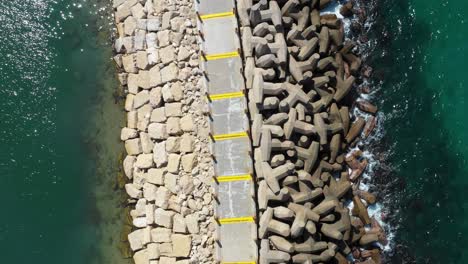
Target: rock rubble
300,72
168,164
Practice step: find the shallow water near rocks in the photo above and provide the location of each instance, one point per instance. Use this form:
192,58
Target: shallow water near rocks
60,134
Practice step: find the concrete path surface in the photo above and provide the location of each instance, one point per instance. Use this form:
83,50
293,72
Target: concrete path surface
235,211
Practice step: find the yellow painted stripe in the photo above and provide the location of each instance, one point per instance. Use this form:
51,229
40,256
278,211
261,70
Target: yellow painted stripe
244,177
229,136
221,56
215,97
217,15
240,262
234,220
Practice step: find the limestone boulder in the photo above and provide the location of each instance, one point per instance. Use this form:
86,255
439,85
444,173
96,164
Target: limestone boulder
164,38
189,161
128,133
167,260
163,217
156,97
158,115
167,54
128,62
161,235
133,146
129,101
155,76
153,24
132,119
136,239
169,73
173,163
153,251
184,53
144,161
160,156
173,126
155,176
157,131
140,99
192,223
147,144
186,143
173,144
128,163
130,24
138,11
181,245
187,123
162,197
173,110
149,191
179,225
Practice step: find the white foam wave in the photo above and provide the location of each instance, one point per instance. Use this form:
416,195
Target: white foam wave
377,210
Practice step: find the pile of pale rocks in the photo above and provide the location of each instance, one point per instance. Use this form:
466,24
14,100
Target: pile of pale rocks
168,162
300,73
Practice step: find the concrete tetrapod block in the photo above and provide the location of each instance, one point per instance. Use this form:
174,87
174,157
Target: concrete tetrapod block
305,194
327,205
302,214
302,17
259,13
249,42
309,155
313,179
341,187
250,71
298,126
268,256
335,230
265,195
243,7
272,176
343,86
263,29
261,88
265,144
268,224
282,244
277,119
324,129
308,49
310,246
256,129
298,69
279,48
295,94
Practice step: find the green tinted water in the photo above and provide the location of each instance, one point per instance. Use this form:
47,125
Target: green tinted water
421,58
59,135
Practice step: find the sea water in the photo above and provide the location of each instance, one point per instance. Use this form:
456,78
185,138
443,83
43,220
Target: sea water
59,135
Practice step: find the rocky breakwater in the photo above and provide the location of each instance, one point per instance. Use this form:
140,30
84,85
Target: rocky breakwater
300,73
168,164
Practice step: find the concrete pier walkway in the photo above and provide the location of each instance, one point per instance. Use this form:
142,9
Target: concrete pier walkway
235,211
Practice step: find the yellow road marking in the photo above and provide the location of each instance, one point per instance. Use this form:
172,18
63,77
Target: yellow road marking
234,220
229,136
244,177
217,15
221,56
240,262
215,97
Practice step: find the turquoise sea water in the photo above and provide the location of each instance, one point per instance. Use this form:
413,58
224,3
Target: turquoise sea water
59,134
420,58
59,131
